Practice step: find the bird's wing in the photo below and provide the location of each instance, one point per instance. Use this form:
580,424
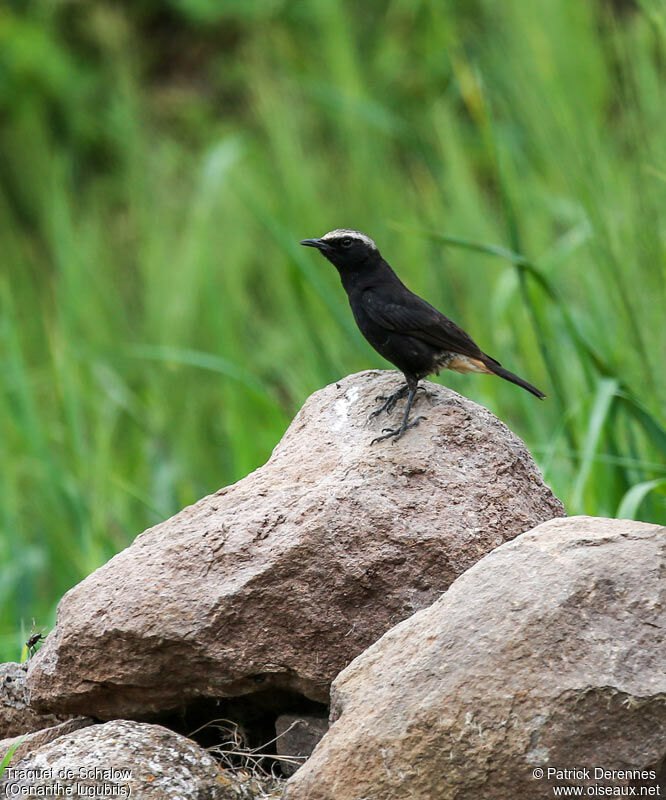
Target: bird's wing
404,312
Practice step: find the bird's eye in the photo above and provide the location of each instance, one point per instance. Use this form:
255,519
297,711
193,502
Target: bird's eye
346,242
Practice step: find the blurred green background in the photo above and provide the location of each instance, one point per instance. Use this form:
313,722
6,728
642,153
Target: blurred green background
160,161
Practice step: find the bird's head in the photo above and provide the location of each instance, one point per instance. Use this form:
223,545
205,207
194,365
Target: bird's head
346,249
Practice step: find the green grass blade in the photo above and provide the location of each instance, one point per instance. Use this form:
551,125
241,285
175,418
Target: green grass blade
9,755
628,508
606,393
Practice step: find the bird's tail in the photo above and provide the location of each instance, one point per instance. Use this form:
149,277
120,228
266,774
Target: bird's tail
498,369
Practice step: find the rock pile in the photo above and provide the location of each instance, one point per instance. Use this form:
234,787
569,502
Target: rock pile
248,604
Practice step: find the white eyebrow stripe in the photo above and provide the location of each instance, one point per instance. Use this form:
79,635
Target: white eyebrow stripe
338,233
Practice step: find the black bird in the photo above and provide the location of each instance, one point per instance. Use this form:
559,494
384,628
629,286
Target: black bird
402,327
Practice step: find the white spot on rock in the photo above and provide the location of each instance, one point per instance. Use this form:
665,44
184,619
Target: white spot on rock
341,408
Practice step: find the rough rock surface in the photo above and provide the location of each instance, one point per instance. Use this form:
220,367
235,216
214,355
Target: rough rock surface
550,652
27,742
280,580
16,717
297,736
119,759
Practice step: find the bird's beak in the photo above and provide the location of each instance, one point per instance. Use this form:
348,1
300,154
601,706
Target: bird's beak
318,243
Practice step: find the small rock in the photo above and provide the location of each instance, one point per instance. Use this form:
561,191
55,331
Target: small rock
16,716
27,742
297,736
548,653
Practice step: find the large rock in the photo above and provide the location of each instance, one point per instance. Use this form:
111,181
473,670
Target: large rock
123,759
550,653
280,580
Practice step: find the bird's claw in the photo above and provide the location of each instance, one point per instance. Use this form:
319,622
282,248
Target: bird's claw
388,406
397,433
389,401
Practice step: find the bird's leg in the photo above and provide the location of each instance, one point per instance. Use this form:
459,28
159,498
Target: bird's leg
397,433
390,401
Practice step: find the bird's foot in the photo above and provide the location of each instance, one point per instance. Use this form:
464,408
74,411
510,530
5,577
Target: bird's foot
397,433
391,399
